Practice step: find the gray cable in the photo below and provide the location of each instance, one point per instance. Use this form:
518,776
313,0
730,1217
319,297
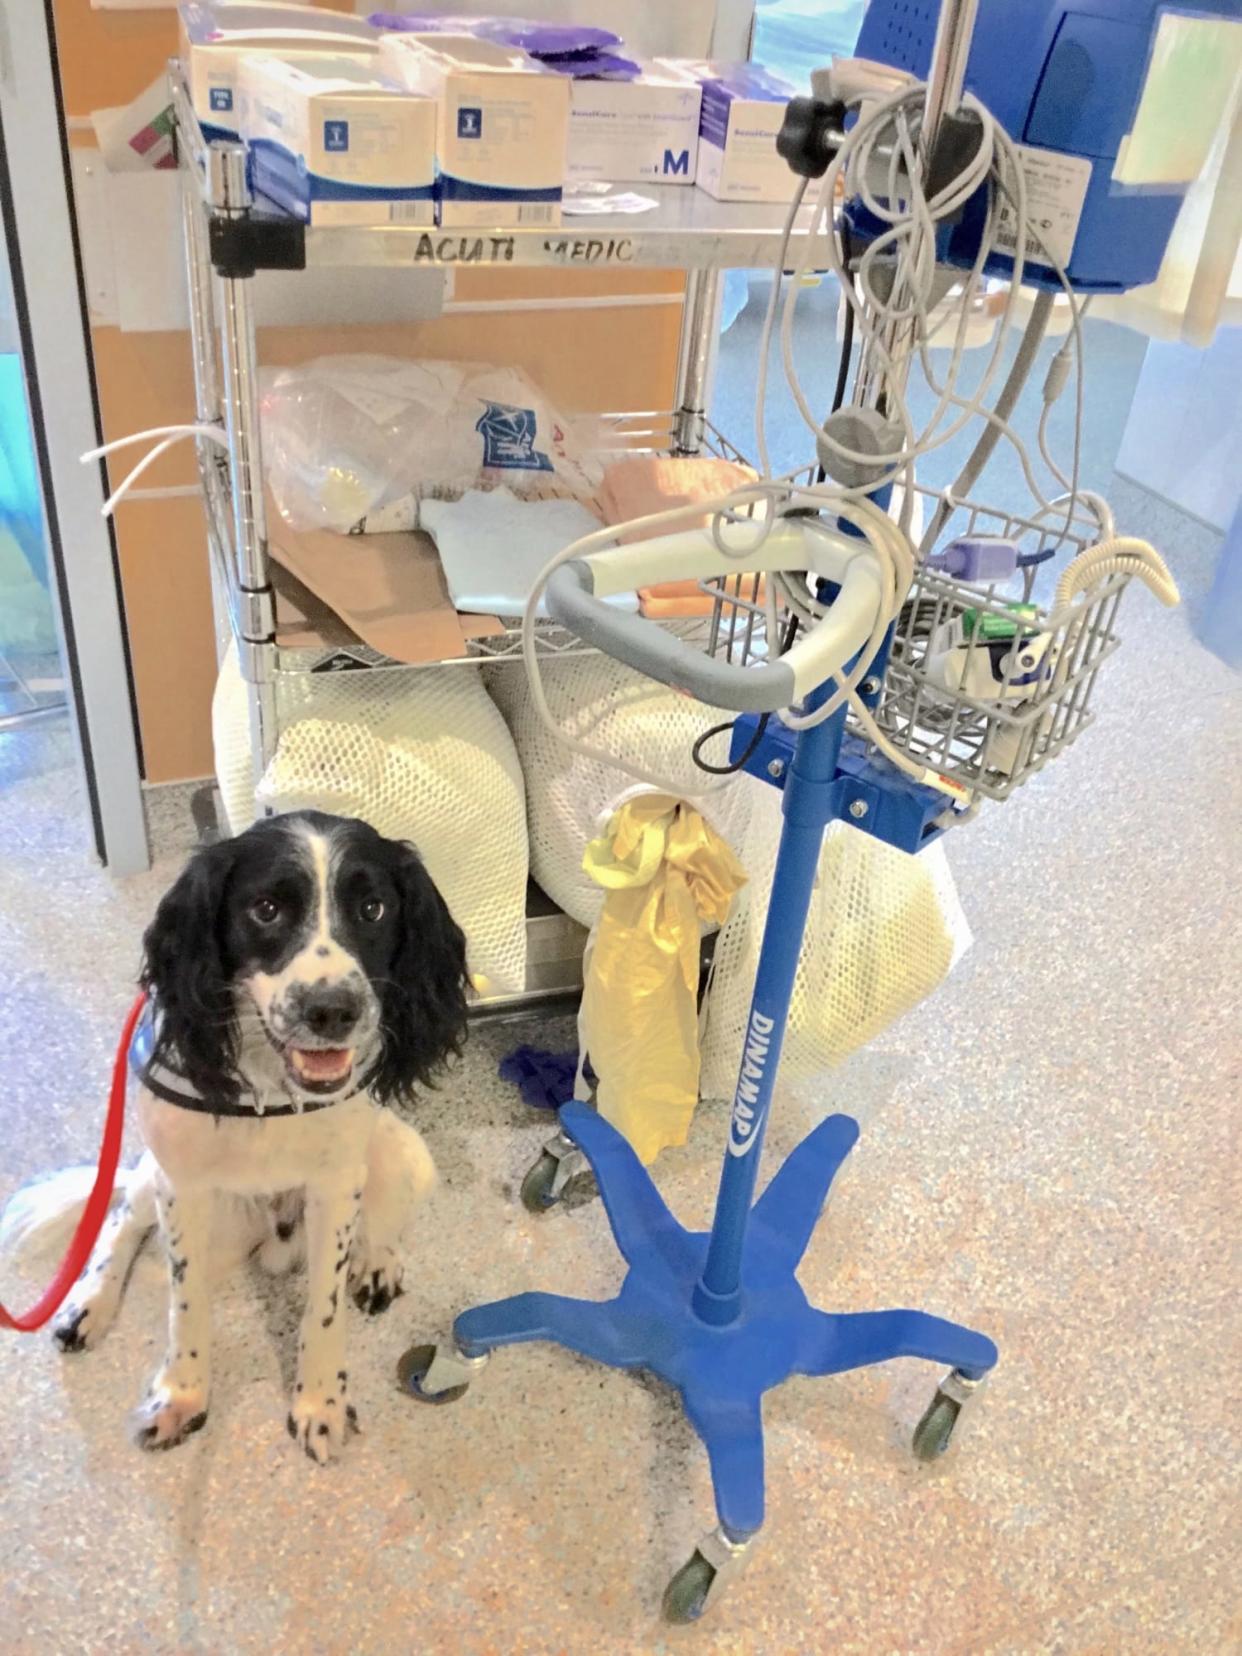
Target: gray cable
1019,373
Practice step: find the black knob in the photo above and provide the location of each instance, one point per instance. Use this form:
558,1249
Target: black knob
810,135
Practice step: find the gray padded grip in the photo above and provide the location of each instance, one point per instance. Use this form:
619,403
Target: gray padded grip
642,644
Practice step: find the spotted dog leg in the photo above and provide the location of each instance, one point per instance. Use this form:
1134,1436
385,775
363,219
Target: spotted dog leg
375,1268
87,1314
321,1416
176,1404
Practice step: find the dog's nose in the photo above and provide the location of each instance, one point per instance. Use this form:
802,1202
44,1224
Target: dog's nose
331,1013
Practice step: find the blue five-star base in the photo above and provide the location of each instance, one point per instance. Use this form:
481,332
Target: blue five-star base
721,1372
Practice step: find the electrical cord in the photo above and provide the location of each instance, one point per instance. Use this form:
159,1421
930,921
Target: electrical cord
1071,353
1099,508
859,143
901,464
738,764
919,276
765,337
843,368
1019,373
1123,555
171,434
847,335
1054,382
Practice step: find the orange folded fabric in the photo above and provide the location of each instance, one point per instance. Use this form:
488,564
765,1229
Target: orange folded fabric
681,598
675,589
641,484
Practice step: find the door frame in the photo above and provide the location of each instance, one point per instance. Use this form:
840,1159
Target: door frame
36,199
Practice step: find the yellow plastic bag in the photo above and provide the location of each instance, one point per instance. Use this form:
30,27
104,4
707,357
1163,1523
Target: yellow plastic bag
664,871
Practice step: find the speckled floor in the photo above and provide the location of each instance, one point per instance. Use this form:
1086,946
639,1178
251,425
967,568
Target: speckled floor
1049,1150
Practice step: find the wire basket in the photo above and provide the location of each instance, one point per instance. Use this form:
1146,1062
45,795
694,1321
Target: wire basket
987,686
983,683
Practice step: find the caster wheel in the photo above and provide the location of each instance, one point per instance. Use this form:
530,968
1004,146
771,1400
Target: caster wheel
412,1370
934,1432
686,1596
537,1194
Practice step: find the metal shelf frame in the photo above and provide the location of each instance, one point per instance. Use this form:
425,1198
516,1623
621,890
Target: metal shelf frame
687,229
228,235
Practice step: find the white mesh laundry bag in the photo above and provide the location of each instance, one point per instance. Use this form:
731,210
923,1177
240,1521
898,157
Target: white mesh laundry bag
422,756
883,930
623,712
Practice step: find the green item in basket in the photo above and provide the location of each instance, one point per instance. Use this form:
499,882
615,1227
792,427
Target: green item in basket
990,626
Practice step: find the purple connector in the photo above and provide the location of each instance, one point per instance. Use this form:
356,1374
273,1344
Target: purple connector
977,558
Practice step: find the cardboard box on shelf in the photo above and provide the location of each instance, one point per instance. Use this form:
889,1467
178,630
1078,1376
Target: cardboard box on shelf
742,110
334,142
214,41
640,129
502,125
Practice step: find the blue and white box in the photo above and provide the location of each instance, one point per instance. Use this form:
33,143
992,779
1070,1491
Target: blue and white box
501,129
335,143
741,113
637,128
215,40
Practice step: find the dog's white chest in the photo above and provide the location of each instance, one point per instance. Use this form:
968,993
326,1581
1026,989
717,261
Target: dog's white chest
255,1157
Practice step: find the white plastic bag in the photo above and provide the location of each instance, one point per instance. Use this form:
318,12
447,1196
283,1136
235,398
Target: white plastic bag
883,931
352,443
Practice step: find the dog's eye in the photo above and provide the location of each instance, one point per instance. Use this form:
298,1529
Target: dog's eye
265,912
372,910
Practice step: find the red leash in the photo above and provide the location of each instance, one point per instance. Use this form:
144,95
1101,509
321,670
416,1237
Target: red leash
96,1211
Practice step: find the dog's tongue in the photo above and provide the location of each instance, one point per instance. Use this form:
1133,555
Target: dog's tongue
322,1064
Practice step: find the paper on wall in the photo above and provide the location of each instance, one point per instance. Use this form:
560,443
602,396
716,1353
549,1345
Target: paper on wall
139,136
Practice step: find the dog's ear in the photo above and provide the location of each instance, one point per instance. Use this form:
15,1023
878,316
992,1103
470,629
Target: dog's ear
183,969
423,1005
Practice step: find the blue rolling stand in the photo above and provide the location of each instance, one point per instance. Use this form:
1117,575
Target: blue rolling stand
720,1315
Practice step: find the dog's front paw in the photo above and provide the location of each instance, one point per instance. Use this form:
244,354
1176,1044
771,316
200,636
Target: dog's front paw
377,1283
320,1423
168,1415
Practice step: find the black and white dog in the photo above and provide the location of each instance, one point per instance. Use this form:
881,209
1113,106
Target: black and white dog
301,977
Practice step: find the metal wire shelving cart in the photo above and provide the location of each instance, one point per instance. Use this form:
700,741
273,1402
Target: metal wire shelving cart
228,238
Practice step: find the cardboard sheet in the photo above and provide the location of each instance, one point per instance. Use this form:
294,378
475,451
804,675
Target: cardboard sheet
388,589
304,622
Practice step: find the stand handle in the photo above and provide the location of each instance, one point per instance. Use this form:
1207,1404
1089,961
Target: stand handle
576,591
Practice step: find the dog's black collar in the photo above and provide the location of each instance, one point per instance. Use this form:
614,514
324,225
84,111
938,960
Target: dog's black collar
246,1112
171,1087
